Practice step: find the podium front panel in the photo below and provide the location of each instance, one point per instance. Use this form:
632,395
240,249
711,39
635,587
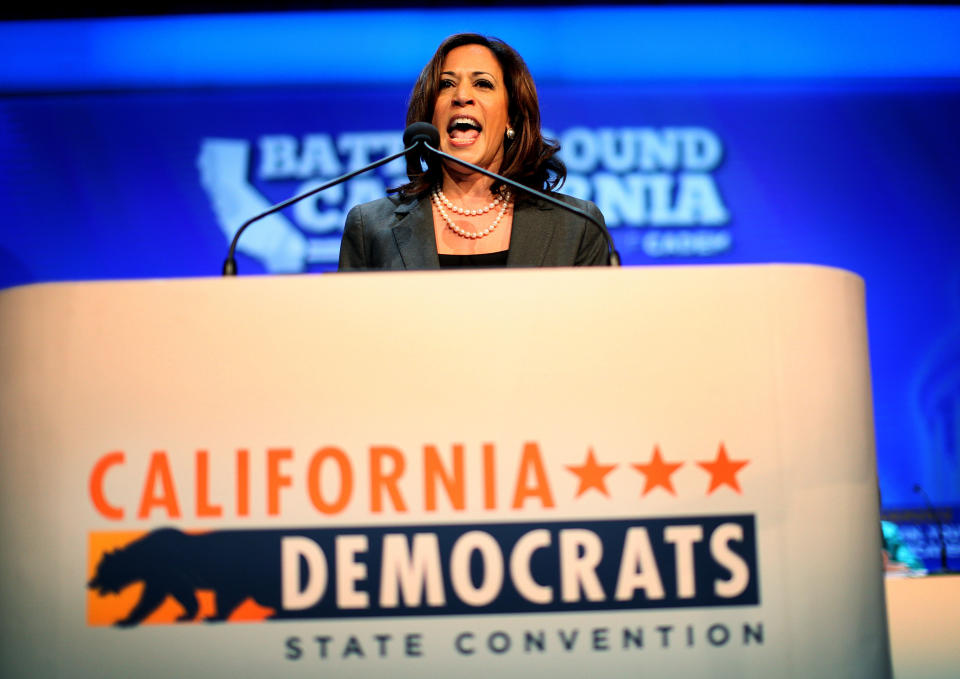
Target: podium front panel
580,472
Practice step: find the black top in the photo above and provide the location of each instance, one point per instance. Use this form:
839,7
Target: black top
487,259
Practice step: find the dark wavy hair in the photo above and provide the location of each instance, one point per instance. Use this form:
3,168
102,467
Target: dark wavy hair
528,158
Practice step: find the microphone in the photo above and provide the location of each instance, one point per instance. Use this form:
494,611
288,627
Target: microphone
917,488
421,132
429,136
417,135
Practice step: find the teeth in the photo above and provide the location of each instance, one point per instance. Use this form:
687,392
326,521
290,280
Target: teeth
464,121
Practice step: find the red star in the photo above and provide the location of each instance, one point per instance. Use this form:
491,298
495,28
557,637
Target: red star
658,472
591,474
723,470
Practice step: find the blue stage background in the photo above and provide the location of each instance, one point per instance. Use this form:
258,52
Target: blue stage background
130,148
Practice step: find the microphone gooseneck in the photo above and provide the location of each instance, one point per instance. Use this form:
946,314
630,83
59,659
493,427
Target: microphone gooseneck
416,130
423,136
426,129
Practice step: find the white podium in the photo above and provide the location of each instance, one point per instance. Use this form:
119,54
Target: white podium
580,472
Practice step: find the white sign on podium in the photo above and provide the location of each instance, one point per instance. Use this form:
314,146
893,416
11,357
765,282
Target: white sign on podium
579,472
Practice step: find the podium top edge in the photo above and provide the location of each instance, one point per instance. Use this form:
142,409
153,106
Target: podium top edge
272,279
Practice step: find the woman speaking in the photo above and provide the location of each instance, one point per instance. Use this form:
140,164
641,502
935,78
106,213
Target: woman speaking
478,93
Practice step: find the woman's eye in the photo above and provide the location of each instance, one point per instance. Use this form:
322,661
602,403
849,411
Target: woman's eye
445,83
485,84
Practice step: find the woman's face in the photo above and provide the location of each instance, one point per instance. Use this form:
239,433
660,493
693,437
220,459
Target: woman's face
471,107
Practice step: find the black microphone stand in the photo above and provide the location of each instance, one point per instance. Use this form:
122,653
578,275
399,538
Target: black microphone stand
613,257
230,263
416,135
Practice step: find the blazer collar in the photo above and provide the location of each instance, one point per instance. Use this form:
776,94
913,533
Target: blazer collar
533,229
414,234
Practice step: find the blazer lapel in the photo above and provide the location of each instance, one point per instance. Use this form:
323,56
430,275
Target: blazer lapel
414,235
531,235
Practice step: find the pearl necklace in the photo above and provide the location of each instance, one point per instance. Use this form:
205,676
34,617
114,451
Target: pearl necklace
471,213
440,200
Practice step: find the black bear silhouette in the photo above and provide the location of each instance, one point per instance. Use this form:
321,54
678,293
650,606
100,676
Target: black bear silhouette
236,565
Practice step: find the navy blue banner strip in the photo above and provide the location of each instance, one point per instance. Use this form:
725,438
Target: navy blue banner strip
459,569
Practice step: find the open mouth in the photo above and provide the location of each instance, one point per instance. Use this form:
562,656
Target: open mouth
464,130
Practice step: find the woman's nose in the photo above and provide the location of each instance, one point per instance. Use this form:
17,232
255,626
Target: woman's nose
462,94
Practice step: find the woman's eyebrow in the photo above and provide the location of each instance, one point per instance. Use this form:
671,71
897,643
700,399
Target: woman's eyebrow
474,73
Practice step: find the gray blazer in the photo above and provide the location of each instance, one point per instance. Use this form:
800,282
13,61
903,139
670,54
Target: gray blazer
395,233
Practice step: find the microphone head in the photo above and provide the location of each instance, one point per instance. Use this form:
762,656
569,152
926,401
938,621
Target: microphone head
421,132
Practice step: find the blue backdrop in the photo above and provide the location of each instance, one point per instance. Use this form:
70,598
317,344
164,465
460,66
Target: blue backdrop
133,147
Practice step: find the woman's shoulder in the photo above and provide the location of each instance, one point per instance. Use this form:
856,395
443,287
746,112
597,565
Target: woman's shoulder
381,211
585,205
381,205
